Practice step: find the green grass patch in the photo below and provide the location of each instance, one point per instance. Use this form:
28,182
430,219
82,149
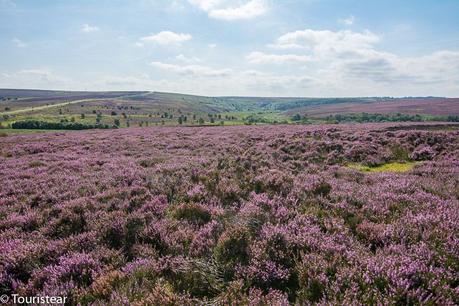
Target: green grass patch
389,167
7,132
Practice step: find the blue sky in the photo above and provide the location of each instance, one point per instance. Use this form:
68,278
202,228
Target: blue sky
230,47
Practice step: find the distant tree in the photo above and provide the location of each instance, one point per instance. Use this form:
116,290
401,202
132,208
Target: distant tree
113,113
296,117
212,120
94,111
194,116
82,116
72,119
64,125
180,120
116,122
60,111
7,108
201,121
98,118
128,124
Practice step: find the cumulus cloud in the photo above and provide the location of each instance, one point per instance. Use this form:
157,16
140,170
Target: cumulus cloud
192,70
325,41
86,28
167,38
350,63
263,58
224,10
19,43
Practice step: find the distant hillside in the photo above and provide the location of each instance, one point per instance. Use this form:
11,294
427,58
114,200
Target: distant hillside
412,106
145,108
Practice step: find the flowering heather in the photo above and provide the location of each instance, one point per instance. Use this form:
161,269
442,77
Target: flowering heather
250,215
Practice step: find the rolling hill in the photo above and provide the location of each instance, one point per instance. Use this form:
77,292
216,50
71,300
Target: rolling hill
158,108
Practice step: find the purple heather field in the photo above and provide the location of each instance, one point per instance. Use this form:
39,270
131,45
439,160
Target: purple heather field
244,215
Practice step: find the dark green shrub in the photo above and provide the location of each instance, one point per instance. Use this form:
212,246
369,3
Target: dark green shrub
232,249
399,153
192,213
69,223
322,189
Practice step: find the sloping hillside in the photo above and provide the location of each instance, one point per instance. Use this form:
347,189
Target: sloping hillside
142,108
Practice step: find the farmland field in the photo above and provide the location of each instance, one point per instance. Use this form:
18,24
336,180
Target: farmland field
288,214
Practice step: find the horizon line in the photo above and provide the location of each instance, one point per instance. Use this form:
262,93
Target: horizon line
229,96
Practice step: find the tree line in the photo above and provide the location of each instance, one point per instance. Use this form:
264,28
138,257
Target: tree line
44,125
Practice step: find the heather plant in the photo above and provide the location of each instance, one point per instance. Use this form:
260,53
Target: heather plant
247,215
422,153
232,250
193,213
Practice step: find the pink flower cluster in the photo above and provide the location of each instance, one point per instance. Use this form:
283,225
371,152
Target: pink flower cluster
250,215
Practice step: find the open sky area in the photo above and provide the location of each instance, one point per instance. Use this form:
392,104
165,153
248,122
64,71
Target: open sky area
314,48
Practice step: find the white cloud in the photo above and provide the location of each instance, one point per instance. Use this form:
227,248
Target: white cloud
86,28
249,10
19,43
186,59
323,41
167,38
205,5
221,9
347,63
192,70
212,46
347,21
263,58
